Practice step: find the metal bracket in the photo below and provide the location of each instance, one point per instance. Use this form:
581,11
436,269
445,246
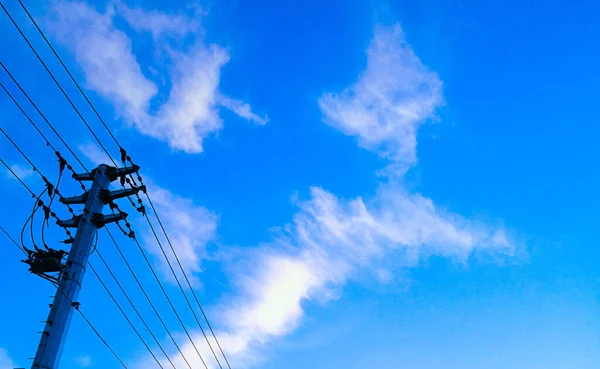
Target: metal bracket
81,199
100,220
41,262
107,196
112,173
71,223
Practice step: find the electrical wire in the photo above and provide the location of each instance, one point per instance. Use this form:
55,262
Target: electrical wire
169,300
146,295
102,339
17,177
56,81
188,283
52,127
39,112
31,218
124,315
81,91
69,73
133,305
12,239
180,286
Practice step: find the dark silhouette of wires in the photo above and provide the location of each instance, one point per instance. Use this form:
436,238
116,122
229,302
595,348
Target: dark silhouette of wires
146,295
56,82
124,156
124,314
133,306
69,73
18,178
188,283
177,279
169,300
39,112
12,239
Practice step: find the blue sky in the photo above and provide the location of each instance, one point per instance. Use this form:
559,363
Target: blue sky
350,184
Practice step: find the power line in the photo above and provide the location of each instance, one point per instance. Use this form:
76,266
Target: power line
48,143
69,73
121,149
101,339
189,284
17,177
56,82
147,297
133,306
125,315
51,188
12,239
39,112
179,283
169,300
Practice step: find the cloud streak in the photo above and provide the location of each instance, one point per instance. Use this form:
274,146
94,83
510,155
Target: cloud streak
190,111
393,96
5,360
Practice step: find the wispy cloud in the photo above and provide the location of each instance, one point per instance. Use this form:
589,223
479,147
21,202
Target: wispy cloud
330,240
5,360
84,361
242,109
393,96
190,111
190,227
159,24
22,171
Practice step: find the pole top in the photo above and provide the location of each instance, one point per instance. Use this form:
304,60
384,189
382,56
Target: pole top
112,172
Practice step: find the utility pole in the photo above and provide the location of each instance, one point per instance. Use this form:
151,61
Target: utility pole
71,276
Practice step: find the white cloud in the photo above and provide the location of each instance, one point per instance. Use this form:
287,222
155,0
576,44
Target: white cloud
5,360
329,242
390,100
331,239
243,110
189,226
112,70
157,23
191,113
105,54
84,361
94,153
22,171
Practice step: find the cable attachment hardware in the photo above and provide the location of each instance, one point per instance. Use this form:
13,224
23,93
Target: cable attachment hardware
42,262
